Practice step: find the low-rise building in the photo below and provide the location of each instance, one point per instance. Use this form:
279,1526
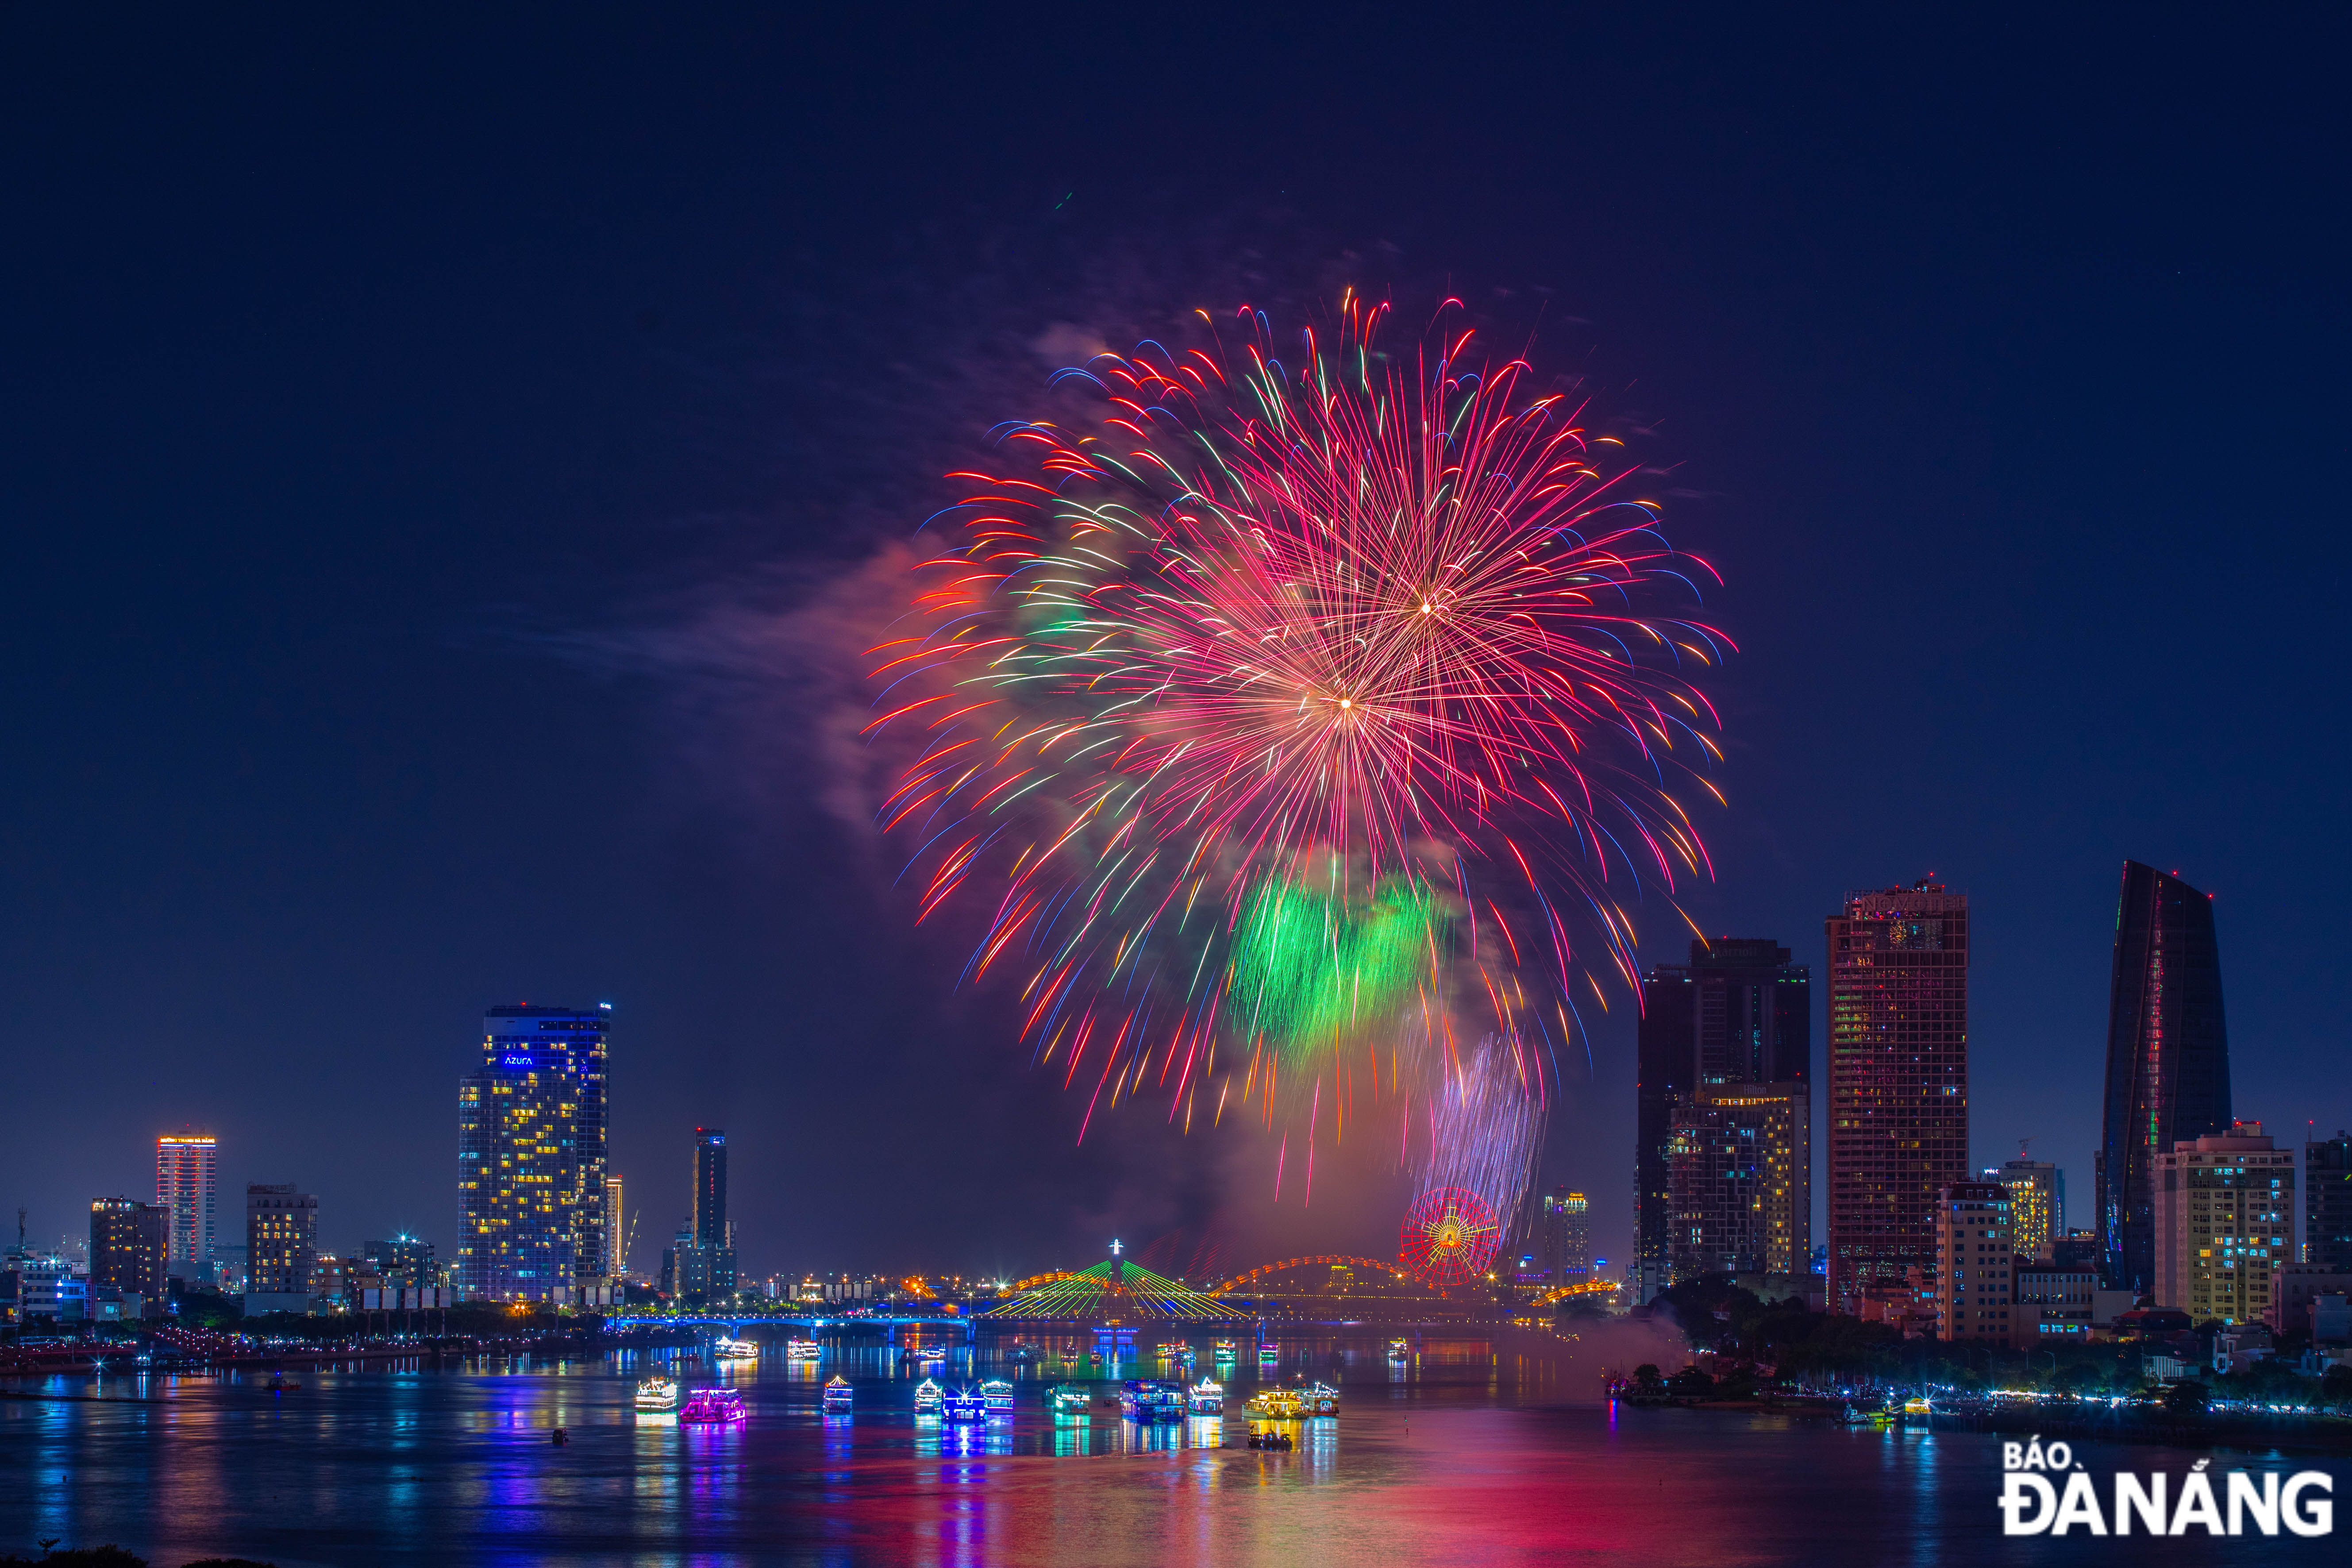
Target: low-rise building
2293,1289
2051,1302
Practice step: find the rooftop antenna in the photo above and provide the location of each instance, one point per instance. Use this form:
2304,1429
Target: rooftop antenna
20,1227
2022,1145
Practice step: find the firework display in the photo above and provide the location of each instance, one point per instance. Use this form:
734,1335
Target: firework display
1294,720
1449,1237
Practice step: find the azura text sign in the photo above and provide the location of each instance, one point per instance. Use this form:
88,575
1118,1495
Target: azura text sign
2044,1491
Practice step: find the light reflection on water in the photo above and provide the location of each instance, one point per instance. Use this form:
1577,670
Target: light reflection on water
1469,1451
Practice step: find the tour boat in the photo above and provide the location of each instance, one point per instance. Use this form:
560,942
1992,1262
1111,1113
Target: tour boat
1272,1440
836,1396
1068,1398
734,1349
1140,1399
803,1350
997,1395
1268,1355
712,1408
656,1393
1021,1355
1277,1405
927,1397
963,1408
1223,1349
1206,1397
1399,1350
1319,1399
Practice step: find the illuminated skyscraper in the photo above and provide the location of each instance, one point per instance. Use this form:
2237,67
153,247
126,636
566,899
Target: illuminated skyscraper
709,1188
1567,1239
531,1160
2168,1057
1898,1071
617,1233
1738,1012
188,1184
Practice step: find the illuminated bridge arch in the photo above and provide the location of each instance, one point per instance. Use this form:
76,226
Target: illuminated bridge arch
1590,1288
1264,1271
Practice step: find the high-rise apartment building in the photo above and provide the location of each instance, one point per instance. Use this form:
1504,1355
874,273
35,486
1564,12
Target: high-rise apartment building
282,1240
2327,1202
130,1242
1738,1164
2168,1057
1738,1012
2224,1223
1975,1262
710,1187
1898,1073
1566,1244
616,1231
531,1160
187,1185
2037,1206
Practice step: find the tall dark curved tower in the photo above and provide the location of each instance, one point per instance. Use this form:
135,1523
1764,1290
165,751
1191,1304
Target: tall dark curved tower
2168,1056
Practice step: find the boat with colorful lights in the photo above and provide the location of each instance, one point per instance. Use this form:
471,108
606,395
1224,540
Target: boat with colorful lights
803,1350
964,1407
657,1392
1223,1350
1277,1405
1319,1399
1206,1397
712,1408
734,1349
927,1397
1141,1399
1069,1399
1268,1356
997,1395
1399,1350
836,1396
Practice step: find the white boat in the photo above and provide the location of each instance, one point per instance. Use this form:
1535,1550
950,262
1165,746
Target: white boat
927,1397
1321,1399
1399,1350
836,1396
734,1349
1206,1397
803,1350
997,1395
656,1393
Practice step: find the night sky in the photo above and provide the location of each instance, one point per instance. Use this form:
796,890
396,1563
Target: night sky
443,462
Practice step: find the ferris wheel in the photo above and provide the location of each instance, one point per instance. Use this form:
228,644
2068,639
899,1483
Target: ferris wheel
1449,1237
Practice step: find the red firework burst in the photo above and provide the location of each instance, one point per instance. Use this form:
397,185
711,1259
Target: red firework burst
1449,1237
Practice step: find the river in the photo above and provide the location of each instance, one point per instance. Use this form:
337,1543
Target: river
1474,1451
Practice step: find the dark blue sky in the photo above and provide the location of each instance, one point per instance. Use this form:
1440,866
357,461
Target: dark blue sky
421,439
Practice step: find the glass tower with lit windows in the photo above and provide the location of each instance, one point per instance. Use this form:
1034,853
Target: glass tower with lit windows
2168,1057
1898,1071
531,1159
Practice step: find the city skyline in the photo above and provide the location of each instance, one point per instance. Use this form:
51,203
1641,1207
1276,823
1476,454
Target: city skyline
595,669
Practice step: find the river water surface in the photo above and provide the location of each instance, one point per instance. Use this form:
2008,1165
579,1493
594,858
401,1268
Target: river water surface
1474,1452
